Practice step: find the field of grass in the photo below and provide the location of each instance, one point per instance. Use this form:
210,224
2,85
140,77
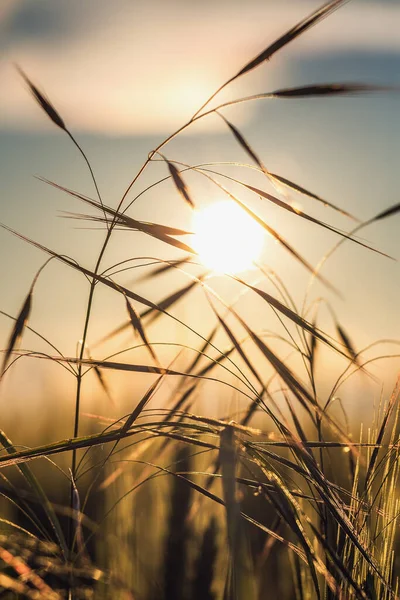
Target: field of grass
236,474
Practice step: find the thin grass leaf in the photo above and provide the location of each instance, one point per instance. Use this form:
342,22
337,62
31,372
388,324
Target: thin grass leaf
290,314
308,217
152,311
172,299
298,188
17,331
161,232
43,101
140,406
101,379
347,342
164,268
381,433
292,34
328,89
138,327
77,515
245,145
202,350
313,347
239,350
393,210
293,186
179,183
71,263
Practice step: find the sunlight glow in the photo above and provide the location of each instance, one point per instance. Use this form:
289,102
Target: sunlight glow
226,238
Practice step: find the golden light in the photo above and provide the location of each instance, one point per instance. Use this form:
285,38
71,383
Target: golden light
226,238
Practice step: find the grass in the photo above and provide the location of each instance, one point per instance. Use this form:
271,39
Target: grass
276,499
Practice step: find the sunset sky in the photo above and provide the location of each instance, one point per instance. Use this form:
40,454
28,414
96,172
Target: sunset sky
124,75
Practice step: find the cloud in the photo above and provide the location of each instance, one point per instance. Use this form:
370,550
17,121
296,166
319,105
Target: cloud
143,67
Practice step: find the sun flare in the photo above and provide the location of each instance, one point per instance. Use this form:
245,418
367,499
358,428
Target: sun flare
226,238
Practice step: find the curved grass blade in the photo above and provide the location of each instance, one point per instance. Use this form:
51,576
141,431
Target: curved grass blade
68,261
164,268
17,331
179,183
375,452
290,314
101,379
328,89
161,232
138,327
245,145
308,217
292,34
347,343
389,212
152,311
43,101
295,187
298,188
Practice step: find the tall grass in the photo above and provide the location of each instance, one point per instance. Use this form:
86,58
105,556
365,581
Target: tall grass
276,499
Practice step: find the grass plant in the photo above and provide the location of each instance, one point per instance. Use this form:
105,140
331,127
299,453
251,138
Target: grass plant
277,499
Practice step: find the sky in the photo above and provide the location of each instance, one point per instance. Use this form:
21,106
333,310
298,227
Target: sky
126,74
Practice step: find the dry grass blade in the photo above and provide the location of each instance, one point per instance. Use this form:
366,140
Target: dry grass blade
43,102
154,312
71,263
305,192
161,232
77,514
180,184
101,379
393,210
171,300
329,89
138,327
292,34
202,350
17,331
347,342
278,179
164,268
290,314
308,217
313,348
382,430
140,406
245,145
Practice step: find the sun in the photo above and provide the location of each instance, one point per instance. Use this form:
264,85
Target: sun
226,238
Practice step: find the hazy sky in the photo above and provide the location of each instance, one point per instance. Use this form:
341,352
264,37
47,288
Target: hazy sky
126,73
127,67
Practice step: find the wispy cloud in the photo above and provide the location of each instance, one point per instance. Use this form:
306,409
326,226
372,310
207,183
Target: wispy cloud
135,68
